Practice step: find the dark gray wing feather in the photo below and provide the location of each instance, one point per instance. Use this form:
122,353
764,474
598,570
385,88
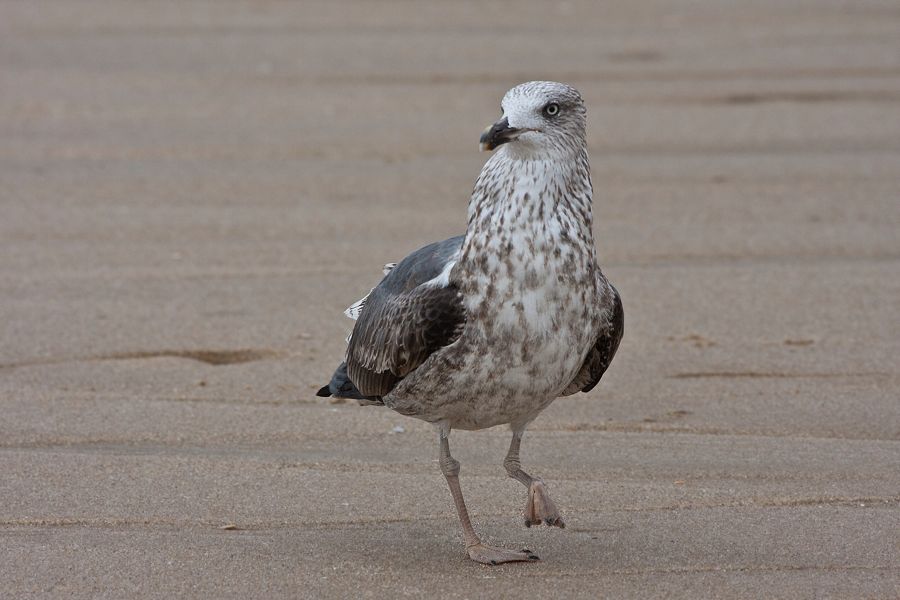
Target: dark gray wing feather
404,322
601,354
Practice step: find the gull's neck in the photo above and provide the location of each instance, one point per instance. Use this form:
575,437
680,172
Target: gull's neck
532,197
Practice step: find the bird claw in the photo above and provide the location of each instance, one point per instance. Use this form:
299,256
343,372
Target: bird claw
540,508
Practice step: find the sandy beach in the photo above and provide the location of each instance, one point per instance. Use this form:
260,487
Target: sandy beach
192,192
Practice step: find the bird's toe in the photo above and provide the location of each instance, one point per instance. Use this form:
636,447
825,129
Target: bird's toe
540,509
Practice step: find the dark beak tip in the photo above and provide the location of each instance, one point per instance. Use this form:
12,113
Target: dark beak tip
495,135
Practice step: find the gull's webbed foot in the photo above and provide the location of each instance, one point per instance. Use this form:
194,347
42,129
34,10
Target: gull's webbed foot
490,555
540,508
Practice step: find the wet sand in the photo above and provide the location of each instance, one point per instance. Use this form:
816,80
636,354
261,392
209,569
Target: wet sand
192,192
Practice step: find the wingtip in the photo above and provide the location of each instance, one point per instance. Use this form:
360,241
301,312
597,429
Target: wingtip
324,391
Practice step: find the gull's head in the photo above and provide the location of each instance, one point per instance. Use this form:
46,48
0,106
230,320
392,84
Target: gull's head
539,118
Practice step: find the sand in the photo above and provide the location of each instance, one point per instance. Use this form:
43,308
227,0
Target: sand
193,191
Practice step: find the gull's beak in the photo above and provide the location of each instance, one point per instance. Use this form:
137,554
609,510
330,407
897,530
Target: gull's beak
498,134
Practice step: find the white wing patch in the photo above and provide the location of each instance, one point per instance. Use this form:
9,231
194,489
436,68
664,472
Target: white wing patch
443,278
354,310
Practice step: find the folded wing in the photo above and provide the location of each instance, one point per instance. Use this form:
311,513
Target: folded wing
604,349
412,313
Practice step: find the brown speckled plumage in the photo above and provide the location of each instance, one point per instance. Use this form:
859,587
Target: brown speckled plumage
489,328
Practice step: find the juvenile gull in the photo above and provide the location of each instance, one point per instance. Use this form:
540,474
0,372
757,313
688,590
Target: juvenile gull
490,327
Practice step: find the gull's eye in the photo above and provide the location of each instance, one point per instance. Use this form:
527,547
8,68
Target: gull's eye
551,110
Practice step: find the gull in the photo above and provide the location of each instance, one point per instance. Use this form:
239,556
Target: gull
490,327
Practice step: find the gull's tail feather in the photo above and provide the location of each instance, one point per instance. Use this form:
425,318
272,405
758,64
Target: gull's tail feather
340,386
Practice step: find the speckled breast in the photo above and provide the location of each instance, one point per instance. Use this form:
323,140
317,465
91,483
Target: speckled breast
530,326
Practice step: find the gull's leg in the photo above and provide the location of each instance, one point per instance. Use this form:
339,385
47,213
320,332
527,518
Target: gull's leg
476,549
539,508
